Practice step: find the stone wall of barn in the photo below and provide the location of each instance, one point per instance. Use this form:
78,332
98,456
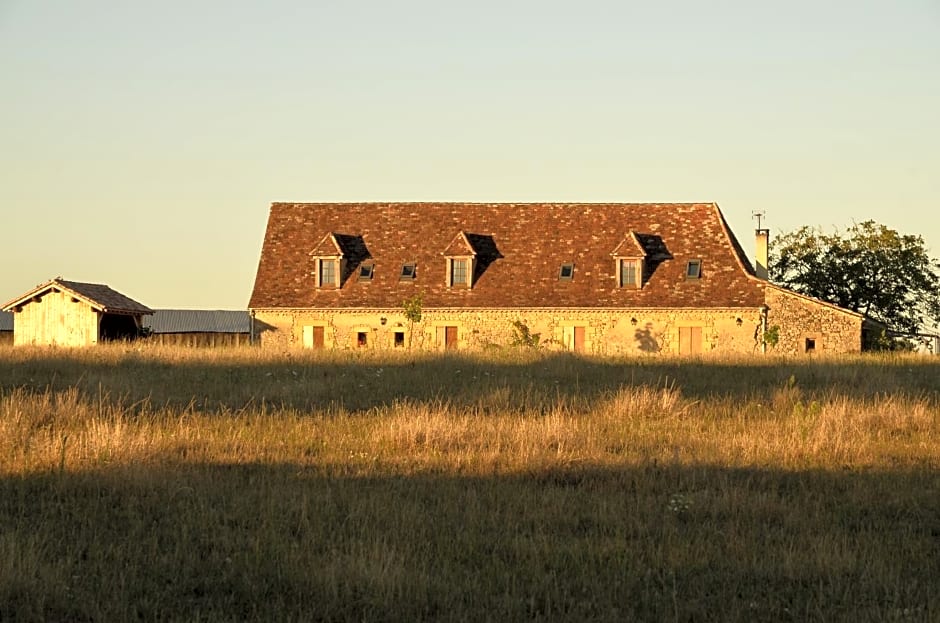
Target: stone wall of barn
601,332
805,325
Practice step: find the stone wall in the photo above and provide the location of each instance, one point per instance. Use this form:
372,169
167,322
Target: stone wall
606,332
808,325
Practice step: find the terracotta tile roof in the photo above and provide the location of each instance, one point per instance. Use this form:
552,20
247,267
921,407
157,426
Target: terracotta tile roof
520,249
97,295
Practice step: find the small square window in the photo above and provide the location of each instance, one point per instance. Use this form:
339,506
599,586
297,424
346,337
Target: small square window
399,339
362,339
365,272
408,272
567,272
810,345
693,269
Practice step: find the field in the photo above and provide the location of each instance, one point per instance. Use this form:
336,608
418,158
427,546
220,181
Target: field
147,483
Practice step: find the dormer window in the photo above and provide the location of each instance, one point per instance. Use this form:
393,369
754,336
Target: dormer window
409,272
329,262
458,272
630,273
327,273
693,269
460,259
567,272
629,257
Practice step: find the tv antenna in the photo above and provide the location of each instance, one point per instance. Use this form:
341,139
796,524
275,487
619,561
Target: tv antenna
758,215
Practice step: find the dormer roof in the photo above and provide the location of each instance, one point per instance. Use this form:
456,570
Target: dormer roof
630,247
460,246
327,247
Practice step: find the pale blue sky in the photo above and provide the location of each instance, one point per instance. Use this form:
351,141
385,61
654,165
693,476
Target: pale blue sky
141,143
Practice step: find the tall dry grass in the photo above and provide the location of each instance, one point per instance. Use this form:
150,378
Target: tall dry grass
182,484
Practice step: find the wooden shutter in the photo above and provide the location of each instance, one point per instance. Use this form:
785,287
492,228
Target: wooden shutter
690,340
450,338
579,339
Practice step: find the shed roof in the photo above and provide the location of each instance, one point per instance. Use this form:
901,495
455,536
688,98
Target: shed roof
99,296
526,243
198,321
6,321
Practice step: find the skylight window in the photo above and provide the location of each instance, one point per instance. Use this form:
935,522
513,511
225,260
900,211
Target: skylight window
366,271
693,269
408,272
567,272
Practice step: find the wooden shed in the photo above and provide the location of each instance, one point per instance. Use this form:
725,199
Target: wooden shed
199,327
70,313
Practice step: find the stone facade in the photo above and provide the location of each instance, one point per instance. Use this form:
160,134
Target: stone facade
807,325
604,331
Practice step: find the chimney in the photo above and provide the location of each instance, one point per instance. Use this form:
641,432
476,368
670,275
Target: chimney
760,256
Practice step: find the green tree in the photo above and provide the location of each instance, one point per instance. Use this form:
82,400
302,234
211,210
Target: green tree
869,268
411,307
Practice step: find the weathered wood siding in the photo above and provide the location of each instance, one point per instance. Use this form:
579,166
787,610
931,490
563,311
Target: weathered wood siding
209,340
56,319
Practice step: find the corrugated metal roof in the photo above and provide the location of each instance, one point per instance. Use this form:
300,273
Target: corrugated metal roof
6,321
198,321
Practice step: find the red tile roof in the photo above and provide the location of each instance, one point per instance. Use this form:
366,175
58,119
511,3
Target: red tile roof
520,249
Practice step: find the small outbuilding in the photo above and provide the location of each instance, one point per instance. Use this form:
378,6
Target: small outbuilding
199,327
71,313
6,328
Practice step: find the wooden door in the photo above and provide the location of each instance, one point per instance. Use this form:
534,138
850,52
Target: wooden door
579,339
690,340
450,338
313,337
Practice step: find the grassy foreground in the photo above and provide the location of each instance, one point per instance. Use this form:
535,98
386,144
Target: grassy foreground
145,484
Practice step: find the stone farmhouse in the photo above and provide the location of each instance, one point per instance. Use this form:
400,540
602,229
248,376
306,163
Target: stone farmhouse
592,278
71,313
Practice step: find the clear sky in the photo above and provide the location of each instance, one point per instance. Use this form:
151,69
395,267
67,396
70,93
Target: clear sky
141,143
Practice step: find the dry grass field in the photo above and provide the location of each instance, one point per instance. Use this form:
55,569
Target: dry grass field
140,483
